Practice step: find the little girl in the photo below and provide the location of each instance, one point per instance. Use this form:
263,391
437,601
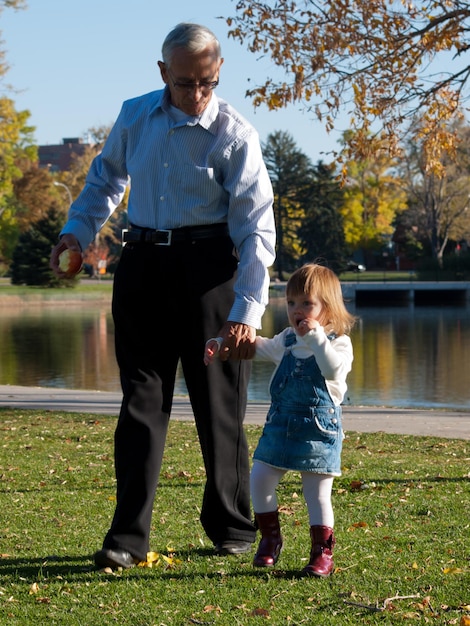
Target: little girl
303,429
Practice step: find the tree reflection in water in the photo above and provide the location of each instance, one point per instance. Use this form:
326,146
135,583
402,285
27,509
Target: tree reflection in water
404,356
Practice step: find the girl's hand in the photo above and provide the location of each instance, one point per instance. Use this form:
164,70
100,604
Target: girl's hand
212,349
306,326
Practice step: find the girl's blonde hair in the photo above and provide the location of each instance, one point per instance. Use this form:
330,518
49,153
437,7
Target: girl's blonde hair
320,281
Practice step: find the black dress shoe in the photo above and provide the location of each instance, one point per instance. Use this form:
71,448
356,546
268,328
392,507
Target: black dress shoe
115,558
232,546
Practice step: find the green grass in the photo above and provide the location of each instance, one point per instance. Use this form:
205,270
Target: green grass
402,524
88,290
91,286
377,276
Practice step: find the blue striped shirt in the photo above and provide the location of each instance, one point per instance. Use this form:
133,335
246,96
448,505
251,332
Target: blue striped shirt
186,172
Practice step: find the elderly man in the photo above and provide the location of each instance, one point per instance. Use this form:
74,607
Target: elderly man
194,266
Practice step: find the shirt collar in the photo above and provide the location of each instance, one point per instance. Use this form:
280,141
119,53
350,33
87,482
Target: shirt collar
207,120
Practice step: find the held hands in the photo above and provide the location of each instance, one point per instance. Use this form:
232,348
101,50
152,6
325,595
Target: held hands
212,349
236,341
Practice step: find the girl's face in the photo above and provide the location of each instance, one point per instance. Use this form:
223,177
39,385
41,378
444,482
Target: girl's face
304,308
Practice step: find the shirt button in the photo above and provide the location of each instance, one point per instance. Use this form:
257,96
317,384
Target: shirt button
331,410
171,132
162,198
334,421
165,165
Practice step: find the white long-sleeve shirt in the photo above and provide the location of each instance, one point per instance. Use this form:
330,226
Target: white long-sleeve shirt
334,357
187,171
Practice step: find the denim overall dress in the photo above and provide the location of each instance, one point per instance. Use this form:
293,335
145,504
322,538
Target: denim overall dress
303,430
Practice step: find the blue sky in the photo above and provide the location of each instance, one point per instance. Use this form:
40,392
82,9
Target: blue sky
73,62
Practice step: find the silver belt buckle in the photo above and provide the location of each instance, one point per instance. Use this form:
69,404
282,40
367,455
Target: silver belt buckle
123,232
168,241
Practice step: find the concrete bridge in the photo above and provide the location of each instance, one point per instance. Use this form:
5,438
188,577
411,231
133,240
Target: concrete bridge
406,292
419,292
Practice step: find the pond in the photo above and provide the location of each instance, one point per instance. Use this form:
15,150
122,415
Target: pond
415,357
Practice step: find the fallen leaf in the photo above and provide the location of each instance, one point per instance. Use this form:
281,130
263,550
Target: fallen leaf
152,557
210,608
453,570
34,588
356,485
358,525
261,612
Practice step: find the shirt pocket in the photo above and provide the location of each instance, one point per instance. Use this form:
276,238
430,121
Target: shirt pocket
197,183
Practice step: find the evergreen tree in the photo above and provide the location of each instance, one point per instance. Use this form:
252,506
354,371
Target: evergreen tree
290,171
30,264
321,232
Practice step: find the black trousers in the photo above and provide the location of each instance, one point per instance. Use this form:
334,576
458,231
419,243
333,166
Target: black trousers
167,301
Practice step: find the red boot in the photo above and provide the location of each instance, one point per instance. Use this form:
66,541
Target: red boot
271,540
321,555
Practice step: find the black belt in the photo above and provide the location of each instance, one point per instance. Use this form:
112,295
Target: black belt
175,235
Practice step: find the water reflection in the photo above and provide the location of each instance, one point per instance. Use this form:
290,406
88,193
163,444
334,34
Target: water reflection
404,357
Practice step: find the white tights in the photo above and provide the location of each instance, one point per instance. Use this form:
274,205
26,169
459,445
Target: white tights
317,489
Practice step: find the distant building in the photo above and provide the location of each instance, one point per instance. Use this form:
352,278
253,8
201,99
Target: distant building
58,158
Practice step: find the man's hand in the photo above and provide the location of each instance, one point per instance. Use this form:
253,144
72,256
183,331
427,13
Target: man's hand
67,242
238,341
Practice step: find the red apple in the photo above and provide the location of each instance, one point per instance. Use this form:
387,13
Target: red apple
70,262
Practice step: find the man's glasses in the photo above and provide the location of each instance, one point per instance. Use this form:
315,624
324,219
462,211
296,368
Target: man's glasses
204,86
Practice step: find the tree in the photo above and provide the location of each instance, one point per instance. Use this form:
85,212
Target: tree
17,153
374,60
16,142
373,196
30,263
107,245
290,171
12,4
321,232
8,4
75,176
32,194
439,207
28,201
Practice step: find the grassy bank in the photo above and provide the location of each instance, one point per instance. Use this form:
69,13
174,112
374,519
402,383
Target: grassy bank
84,291
402,522
94,290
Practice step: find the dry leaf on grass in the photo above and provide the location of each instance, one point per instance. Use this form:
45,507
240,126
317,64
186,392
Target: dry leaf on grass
155,559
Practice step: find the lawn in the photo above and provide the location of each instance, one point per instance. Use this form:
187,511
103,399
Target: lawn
402,524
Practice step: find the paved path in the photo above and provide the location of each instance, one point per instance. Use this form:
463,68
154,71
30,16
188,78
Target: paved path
439,423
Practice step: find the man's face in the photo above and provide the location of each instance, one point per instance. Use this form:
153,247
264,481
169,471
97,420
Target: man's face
190,77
